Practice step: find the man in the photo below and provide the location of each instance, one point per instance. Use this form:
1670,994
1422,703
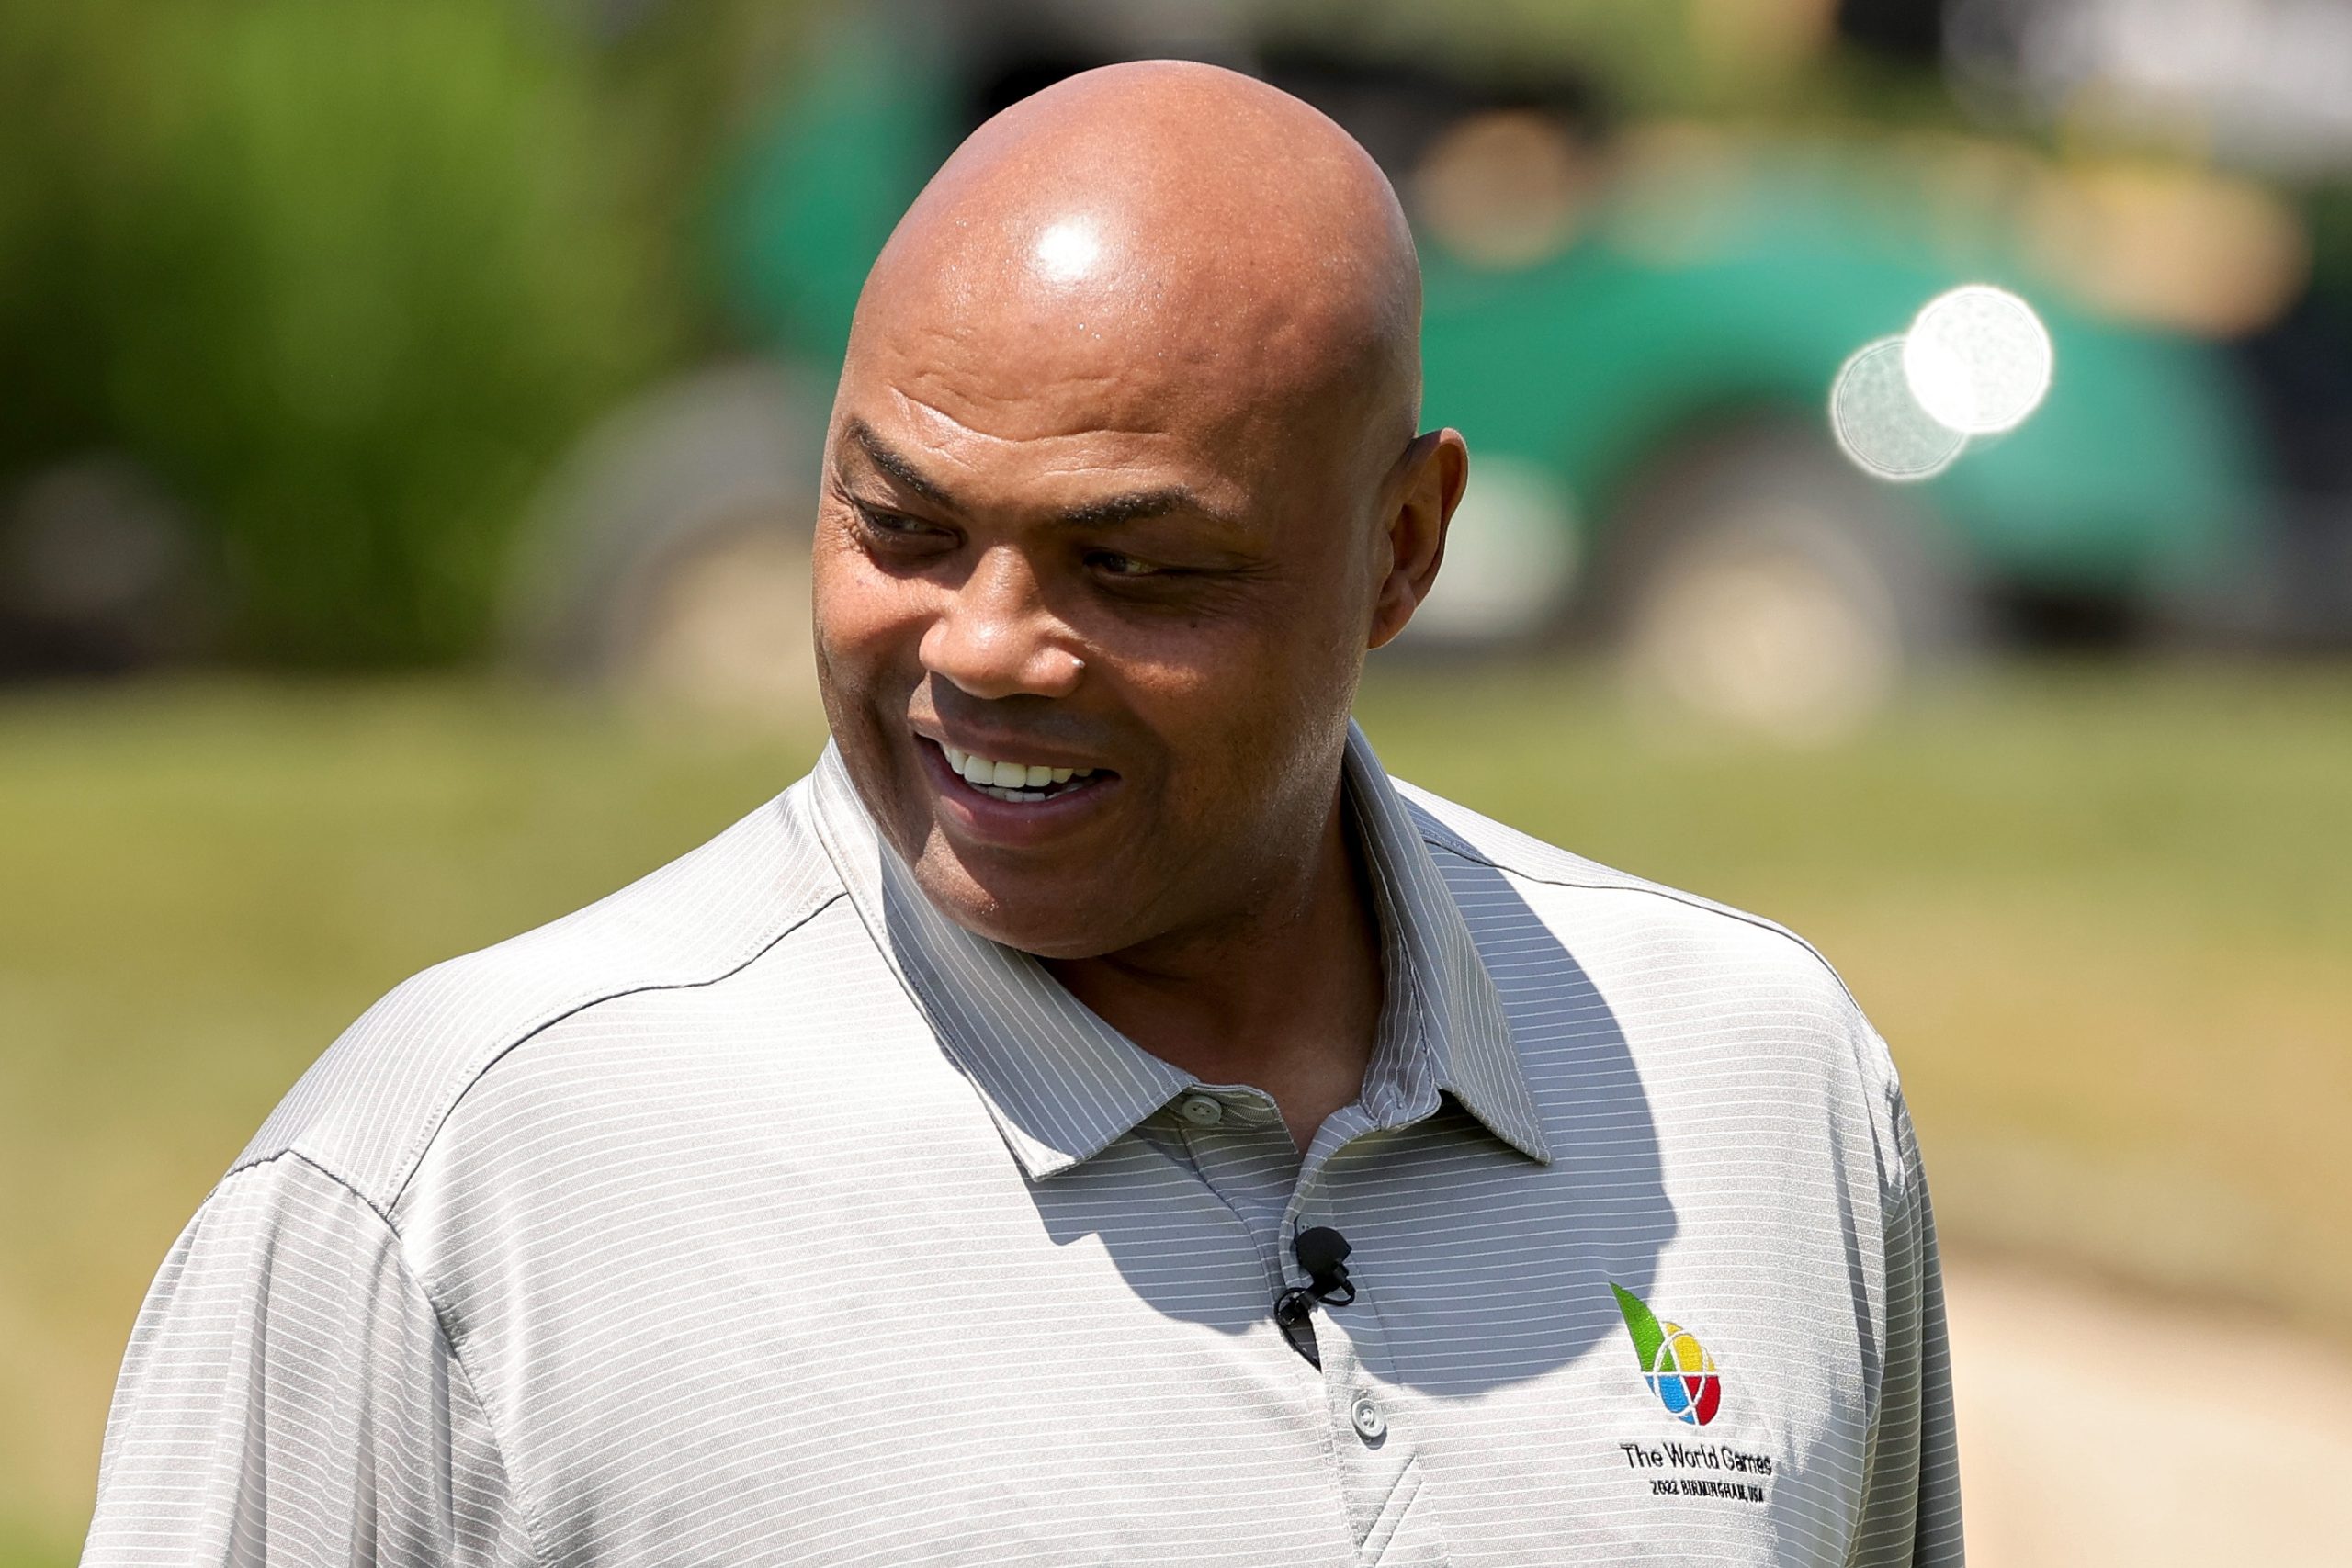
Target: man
1096,1117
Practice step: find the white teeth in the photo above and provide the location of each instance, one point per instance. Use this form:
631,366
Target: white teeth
1020,782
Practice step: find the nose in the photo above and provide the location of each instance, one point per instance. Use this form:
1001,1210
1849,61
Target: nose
995,636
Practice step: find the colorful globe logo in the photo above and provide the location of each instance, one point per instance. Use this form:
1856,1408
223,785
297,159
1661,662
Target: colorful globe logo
1674,1365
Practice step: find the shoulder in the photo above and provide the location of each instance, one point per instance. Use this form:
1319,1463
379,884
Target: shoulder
1655,945
366,1109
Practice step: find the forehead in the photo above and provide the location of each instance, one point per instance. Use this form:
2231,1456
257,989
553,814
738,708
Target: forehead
1046,395
991,436
1066,352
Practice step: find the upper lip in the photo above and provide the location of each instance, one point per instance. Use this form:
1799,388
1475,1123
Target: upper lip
1012,749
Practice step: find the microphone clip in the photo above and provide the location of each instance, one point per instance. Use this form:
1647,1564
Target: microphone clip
1322,1253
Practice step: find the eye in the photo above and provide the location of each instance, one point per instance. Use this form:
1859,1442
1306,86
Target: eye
896,528
1110,563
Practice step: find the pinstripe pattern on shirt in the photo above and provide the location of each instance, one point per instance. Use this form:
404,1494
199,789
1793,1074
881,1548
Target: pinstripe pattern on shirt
759,1214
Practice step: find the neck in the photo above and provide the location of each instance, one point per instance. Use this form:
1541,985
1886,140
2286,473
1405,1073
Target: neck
1284,995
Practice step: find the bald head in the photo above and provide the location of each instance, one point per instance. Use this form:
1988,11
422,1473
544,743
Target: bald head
1194,239
1121,484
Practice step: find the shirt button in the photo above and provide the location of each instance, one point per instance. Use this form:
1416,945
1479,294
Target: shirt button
1201,1110
1369,1423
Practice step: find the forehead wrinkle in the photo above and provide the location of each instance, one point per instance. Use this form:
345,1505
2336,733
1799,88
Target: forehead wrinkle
1228,456
922,413
1130,505
1236,368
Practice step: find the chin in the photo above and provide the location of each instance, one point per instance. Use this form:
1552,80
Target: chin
1045,917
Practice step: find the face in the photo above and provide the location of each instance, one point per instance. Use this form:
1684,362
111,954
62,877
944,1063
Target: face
1088,638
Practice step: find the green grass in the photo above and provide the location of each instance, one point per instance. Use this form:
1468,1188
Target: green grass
2105,918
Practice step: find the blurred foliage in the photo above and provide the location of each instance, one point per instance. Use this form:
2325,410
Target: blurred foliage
347,277
2329,208
693,77
1659,55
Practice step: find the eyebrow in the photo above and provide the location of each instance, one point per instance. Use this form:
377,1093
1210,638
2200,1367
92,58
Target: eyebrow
891,461
1131,507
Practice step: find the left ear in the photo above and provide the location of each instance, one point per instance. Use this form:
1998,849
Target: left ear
1425,488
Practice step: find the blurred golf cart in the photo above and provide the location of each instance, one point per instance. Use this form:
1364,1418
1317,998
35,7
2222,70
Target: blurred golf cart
1637,325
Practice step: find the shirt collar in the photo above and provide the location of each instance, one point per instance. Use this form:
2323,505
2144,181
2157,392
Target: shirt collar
1061,1084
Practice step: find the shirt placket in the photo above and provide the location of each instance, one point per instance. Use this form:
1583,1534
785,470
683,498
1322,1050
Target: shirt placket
1235,1139
1373,1442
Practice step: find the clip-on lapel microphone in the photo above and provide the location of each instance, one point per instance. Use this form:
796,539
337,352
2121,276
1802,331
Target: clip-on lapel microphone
1322,1252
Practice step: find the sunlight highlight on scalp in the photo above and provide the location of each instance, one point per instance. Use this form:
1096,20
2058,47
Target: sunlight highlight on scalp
1068,251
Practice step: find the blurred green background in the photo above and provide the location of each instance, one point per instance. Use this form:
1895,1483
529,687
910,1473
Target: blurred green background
406,420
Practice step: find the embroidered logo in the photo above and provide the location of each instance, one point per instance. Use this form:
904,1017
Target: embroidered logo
1675,1366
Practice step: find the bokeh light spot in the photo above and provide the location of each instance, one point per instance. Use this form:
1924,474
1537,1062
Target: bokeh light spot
1978,359
1879,424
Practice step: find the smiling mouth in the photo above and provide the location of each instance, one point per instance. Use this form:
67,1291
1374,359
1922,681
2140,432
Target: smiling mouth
1017,784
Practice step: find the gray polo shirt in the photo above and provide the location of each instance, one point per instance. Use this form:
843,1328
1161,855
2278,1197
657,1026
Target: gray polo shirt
760,1215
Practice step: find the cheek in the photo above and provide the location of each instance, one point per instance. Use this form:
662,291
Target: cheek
862,615
1287,643
1243,710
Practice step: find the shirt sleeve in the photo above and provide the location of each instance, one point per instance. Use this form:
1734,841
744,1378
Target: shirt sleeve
1910,1516
289,1398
